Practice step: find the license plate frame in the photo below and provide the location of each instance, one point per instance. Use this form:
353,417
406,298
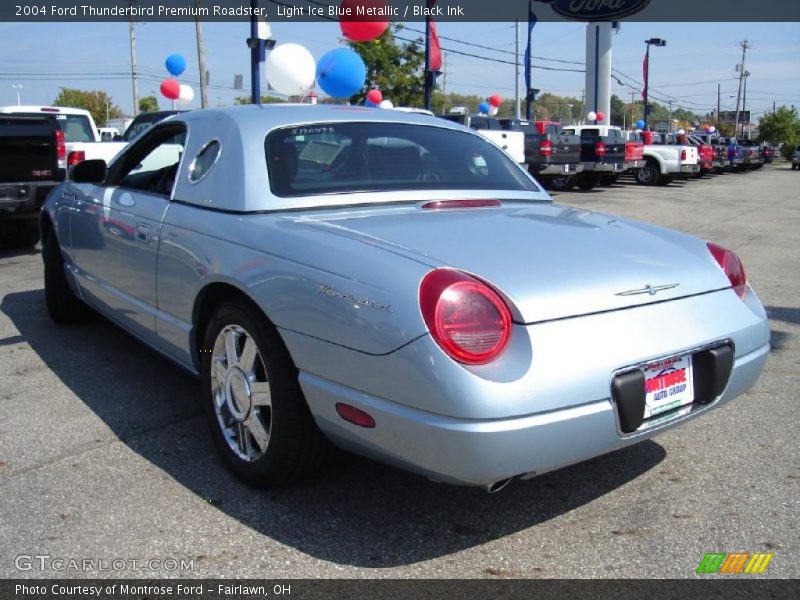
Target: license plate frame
669,385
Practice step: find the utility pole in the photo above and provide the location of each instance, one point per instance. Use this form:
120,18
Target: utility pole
633,108
745,46
669,122
719,92
744,105
132,26
201,57
517,99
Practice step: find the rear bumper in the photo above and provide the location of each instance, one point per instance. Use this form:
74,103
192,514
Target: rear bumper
634,164
604,167
19,200
480,452
558,169
544,411
687,170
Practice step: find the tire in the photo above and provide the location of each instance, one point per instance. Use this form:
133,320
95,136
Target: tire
608,179
561,183
63,306
258,416
649,174
19,234
587,181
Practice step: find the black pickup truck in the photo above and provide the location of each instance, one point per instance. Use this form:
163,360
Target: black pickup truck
552,156
602,154
32,162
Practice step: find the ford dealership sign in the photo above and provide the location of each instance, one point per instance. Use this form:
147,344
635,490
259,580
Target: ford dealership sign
598,10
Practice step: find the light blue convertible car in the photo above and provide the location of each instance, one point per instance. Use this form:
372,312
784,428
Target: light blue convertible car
396,285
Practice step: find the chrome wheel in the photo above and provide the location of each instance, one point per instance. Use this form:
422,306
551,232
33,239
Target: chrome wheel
241,392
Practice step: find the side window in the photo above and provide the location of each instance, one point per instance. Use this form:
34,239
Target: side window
206,158
478,123
151,165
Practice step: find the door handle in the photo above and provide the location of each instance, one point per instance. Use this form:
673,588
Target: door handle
143,233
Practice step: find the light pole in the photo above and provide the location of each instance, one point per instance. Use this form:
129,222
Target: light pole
651,42
18,87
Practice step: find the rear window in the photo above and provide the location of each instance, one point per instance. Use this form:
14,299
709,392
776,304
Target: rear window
362,157
76,128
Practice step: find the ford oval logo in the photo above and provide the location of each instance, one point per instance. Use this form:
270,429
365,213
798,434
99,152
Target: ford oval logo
598,10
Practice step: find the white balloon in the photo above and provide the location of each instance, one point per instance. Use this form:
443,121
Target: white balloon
681,131
386,104
290,69
712,129
187,93
592,116
492,111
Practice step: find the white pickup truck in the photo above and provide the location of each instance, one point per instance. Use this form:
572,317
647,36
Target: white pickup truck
664,162
80,132
513,142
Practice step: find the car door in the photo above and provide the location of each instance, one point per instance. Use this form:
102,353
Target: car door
116,229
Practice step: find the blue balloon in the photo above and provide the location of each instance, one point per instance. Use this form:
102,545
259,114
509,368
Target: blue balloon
640,124
483,107
370,104
175,64
341,72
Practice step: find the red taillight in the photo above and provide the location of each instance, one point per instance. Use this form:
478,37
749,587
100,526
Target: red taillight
546,148
467,318
75,157
354,415
732,266
600,149
61,146
445,204
683,154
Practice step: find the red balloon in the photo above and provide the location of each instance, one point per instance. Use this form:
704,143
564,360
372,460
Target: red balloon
171,89
600,116
364,27
375,96
495,100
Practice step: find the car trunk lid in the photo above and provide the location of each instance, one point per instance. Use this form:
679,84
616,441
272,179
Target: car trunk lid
550,261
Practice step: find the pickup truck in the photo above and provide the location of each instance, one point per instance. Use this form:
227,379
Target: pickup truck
552,156
602,154
32,162
735,153
665,162
705,154
513,142
80,132
721,161
753,154
796,158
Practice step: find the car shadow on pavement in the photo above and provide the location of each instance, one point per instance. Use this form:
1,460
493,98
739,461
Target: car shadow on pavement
356,512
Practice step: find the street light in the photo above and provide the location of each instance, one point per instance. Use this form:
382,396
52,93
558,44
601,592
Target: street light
651,42
18,87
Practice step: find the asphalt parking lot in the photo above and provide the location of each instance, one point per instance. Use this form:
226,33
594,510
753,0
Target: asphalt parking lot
104,452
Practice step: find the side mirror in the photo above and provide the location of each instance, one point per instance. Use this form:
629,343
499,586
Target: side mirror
89,171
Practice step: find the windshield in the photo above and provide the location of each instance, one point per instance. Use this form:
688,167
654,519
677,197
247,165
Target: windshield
364,157
76,128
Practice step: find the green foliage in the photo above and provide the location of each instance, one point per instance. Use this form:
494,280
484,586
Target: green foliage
392,67
97,102
782,125
148,104
266,100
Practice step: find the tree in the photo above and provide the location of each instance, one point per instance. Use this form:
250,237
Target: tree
97,102
782,125
618,115
266,100
393,68
148,104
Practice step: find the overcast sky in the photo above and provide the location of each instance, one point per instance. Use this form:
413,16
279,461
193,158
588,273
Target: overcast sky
45,56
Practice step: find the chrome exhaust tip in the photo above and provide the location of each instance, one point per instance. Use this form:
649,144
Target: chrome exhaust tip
497,486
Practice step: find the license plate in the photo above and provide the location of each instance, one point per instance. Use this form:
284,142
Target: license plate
668,385
618,167
566,168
